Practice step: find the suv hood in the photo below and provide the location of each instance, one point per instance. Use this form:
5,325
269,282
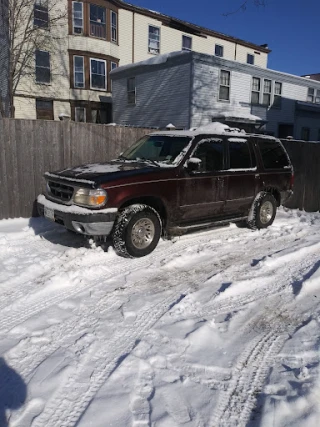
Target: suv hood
97,173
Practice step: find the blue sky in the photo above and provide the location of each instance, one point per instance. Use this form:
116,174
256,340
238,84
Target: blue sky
290,27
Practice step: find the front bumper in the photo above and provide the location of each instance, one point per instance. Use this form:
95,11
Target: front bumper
94,223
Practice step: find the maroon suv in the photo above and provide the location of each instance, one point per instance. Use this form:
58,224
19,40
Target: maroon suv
168,183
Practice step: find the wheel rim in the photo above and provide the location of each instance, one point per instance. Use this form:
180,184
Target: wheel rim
266,212
143,232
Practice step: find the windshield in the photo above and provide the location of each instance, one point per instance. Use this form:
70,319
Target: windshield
157,148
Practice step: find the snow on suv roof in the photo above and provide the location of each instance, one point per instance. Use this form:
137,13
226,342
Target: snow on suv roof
216,128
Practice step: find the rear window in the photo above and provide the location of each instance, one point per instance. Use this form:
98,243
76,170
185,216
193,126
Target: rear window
273,154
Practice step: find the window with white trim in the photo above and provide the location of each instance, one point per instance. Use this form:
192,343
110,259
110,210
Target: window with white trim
98,21
250,59
224,86
80,114
131,90
41,14
218,50
43,72
98,74
255,91
277,98
267,87
78,69
186,42
77,17
114,26
154,40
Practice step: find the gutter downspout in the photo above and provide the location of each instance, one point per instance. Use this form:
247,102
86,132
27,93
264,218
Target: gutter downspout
191,90
133,35
235,51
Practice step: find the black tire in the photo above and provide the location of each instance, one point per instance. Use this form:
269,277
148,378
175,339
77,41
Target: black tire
242,224
263,211
127,241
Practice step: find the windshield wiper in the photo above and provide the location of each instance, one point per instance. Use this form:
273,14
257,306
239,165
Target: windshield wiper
148,161
121,157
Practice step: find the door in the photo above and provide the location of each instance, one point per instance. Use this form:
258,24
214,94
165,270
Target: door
242,176
202,191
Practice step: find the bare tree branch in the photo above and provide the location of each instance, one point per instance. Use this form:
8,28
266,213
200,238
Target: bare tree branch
244,5
25,37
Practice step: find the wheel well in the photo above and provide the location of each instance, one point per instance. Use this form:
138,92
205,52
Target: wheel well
154,202
275,193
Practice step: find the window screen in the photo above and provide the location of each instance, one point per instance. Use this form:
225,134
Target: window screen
239,153
272,153
211,155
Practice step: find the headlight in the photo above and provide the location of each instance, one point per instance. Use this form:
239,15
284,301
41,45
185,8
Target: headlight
87,197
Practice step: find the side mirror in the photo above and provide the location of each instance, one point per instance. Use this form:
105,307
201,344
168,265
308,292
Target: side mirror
193,164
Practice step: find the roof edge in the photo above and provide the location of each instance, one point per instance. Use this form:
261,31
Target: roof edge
195,29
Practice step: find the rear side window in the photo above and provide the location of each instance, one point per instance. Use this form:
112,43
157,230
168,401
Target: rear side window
239,154
273,154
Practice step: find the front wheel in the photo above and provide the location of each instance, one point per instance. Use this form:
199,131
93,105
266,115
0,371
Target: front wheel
136,231
263,211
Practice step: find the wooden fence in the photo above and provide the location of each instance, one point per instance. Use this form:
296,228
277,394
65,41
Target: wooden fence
28,148
305,157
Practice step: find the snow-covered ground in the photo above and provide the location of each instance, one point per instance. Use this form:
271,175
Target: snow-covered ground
218,328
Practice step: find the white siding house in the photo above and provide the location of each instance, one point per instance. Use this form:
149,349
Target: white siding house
190,89
71,76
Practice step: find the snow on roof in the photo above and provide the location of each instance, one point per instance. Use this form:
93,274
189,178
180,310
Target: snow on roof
238,115
156,60
212,128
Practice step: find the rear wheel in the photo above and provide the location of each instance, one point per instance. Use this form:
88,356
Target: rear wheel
137,231
263,211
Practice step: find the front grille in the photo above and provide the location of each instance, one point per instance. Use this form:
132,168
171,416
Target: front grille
60,191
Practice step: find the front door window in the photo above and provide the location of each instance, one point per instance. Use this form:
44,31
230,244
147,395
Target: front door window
203,190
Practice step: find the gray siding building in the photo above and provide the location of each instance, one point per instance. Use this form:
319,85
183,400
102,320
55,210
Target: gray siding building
190,89
4,58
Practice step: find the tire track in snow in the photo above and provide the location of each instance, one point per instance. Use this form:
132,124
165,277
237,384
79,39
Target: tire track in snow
229,304
36,350
71,400
39,350
236,404
31,352
18,312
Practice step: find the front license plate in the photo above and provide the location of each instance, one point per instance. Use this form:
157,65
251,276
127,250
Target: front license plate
49,213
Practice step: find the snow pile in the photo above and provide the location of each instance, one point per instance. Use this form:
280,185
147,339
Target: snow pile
214,328
219,129
238,114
